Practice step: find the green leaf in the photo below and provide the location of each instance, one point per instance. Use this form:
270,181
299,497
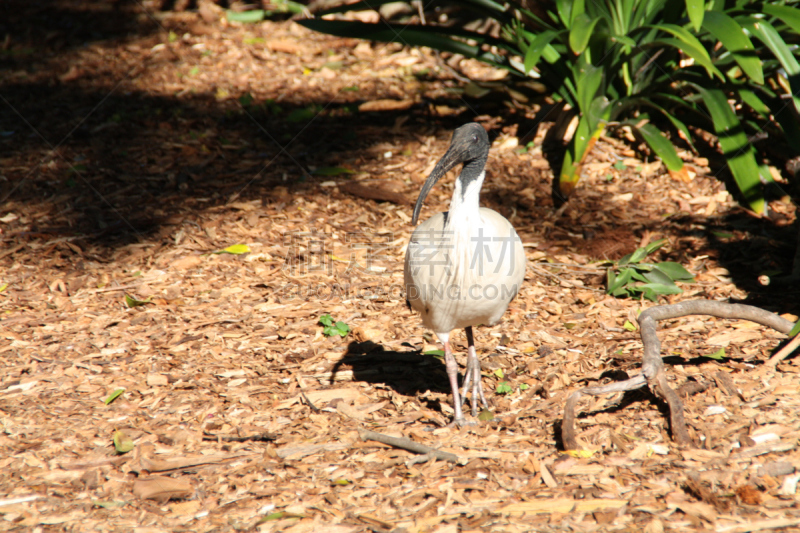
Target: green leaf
411,35
621,280
658,277
638,255
235,249
342,329
287,6
342,482
789,15
302,115
629,326
662,288
113,396
435,353
485,415
674,271
732,36
696,9
538,48
256,15
647,292
611,279
768,35
736,147
679,125
246,100
333,328
718,355
581,32
122,442
131,302
795,330
504,388
3,287
523,386
332,171
661,146
653,246
498,373
750,98
564,9
689,44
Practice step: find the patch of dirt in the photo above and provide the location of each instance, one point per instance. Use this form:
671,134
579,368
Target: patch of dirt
135,144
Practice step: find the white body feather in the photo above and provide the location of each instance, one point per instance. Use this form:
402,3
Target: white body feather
463,267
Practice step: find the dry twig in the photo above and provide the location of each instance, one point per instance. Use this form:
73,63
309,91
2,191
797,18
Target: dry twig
260,437
407,444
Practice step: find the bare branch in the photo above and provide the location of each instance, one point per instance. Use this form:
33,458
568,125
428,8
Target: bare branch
653,373
407,444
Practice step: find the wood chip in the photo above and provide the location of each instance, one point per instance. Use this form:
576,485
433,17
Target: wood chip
162,488
563,506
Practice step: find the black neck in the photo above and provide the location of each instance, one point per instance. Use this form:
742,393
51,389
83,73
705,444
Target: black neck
471,172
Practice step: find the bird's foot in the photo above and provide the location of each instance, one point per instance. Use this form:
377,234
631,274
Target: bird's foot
472,383
462,422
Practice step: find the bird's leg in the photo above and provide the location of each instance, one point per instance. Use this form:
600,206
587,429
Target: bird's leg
473,375
452,373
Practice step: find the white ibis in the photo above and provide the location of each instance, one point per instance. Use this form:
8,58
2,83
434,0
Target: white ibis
464,266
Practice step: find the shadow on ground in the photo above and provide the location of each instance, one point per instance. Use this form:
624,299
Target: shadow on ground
102,167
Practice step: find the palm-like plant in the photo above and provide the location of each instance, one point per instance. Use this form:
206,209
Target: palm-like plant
726,66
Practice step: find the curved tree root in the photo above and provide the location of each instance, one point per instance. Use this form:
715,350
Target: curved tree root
653,372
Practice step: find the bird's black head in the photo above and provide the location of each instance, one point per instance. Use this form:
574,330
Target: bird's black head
469,145
470,142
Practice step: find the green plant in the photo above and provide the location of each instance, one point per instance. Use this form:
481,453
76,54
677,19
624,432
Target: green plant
649,66
504,388
631,276
333,328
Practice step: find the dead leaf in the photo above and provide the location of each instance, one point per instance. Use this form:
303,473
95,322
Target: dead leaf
749,494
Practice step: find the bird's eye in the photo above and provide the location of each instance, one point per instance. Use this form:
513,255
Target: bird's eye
474,138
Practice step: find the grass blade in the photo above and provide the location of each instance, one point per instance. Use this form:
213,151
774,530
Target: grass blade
674,271
788,15
690,45
767,34
581,32
696,9
431,37
540,46
737,149
732,36
662,147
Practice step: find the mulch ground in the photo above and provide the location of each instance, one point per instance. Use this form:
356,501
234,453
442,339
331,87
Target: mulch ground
135,144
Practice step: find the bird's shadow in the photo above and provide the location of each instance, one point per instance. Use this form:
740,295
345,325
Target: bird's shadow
408,373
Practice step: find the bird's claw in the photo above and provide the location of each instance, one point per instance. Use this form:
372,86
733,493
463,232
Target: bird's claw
462,422
472,376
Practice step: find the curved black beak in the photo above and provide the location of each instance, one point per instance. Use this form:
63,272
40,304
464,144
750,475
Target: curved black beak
450,159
